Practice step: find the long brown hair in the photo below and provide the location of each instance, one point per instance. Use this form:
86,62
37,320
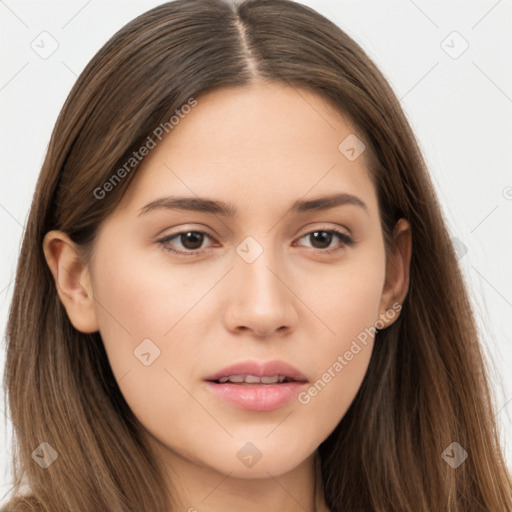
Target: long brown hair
426,384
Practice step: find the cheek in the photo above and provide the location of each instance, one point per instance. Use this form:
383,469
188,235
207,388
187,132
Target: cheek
138,299
142,318
348,295
349,307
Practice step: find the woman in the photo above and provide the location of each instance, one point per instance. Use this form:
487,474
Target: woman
236,290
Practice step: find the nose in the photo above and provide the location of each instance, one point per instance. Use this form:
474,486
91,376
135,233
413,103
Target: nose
259,298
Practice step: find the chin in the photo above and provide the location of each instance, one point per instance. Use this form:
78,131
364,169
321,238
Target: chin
252,460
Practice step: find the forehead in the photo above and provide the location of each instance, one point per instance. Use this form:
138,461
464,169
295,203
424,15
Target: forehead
256,146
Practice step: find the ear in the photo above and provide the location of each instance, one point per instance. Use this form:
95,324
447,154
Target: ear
72,280
396,283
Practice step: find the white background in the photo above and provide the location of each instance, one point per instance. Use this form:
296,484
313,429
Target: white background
460,109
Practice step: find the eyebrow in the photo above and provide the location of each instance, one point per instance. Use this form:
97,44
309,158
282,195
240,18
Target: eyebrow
214,207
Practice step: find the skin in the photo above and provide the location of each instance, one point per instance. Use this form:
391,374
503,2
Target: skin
259,148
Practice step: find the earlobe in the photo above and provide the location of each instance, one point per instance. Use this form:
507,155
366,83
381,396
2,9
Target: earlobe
72,280
396,284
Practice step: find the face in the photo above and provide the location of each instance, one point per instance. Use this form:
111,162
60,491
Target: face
266,283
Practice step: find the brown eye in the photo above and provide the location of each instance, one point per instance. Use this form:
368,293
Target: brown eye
191,242
321,239
191,239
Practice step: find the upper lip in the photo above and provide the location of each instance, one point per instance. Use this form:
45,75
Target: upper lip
260,369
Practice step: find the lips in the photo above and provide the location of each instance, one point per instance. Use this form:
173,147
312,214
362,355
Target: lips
258,373
256,397
257,386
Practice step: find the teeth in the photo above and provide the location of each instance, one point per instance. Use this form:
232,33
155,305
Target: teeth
252,379
232,378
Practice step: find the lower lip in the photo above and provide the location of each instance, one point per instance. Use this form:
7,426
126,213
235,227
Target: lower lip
256,397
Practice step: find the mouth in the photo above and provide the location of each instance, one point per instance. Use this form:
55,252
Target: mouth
258,372
257,386
254,380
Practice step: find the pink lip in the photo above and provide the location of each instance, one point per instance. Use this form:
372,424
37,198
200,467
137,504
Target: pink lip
260,369
258,397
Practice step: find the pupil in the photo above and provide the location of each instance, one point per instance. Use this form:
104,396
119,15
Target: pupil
192,240
326,238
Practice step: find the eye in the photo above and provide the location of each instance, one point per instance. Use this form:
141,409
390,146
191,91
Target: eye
322,239
192,241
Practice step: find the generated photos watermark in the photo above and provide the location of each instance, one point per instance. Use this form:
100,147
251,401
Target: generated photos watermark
150,143
343,360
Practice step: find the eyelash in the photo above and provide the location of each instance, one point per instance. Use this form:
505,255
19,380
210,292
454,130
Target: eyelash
346,240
